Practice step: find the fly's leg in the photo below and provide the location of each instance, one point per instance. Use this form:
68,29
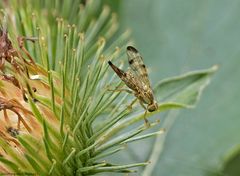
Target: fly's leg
128,91
146,122
132,103
121,90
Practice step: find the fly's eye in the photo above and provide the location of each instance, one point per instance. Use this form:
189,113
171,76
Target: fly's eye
151,110
153,107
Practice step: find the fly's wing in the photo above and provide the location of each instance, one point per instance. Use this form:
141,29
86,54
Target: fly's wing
136,63
127,77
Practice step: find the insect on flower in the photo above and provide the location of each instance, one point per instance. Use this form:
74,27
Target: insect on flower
136,78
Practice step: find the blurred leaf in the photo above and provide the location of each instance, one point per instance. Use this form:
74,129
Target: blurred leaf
183,90
232,163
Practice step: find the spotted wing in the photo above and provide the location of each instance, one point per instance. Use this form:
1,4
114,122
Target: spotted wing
127,77
141,90
136,63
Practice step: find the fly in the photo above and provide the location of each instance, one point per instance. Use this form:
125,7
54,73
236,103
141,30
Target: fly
136,78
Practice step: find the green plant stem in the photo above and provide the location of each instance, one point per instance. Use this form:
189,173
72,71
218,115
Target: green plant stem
159,143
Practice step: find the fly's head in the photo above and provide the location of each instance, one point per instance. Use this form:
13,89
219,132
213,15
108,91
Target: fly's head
152,107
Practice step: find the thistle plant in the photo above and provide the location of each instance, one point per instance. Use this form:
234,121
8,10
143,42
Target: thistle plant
57,115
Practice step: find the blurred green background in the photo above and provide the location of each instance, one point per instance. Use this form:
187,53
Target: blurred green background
176,36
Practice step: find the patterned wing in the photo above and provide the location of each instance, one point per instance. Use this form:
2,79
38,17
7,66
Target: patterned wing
141,90
136,63
127,77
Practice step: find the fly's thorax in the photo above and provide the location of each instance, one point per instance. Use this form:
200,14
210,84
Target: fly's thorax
145,96
152,107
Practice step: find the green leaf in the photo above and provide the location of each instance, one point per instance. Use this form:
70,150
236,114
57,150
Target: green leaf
231,162
183,90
